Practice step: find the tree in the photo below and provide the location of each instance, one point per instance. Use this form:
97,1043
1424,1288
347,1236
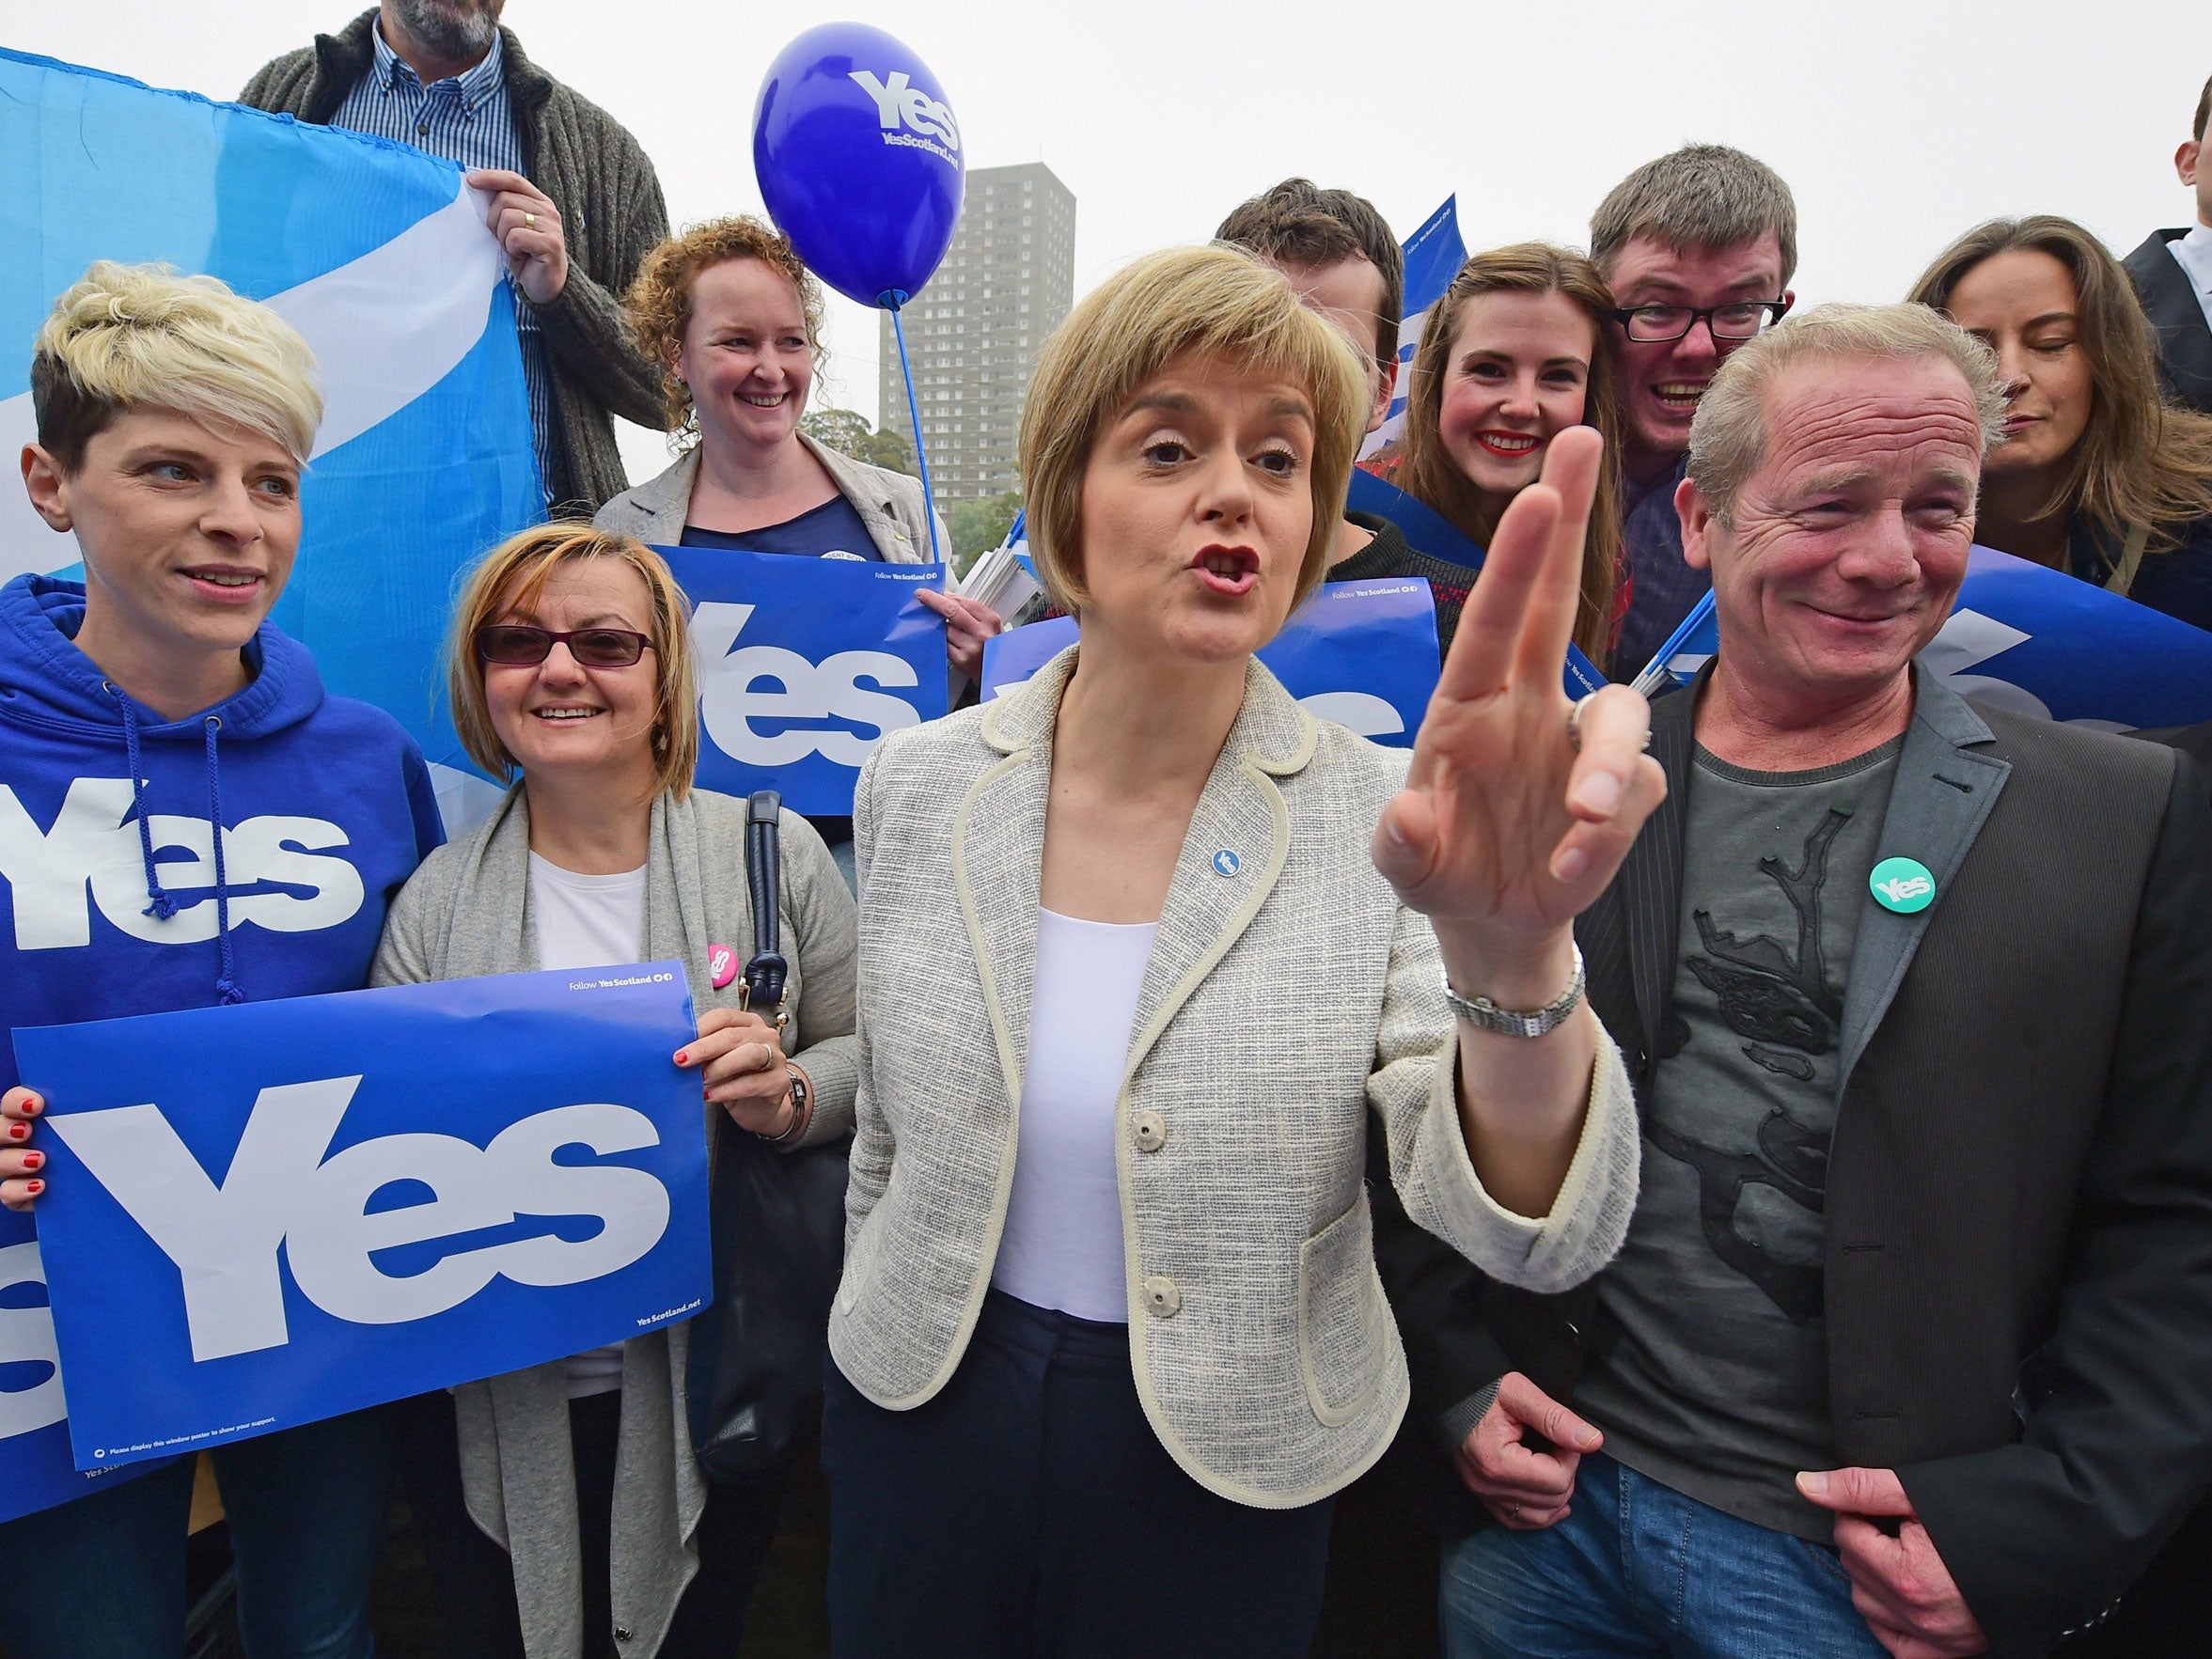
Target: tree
846,431
980,524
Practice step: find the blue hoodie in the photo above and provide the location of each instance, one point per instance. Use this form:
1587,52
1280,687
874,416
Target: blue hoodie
114,897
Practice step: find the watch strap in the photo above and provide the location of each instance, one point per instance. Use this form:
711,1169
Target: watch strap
1481,1010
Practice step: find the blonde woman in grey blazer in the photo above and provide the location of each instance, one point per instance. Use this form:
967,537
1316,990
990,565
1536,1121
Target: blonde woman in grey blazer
575,1479
1133,985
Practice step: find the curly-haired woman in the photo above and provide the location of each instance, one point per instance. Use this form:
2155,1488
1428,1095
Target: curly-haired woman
735,321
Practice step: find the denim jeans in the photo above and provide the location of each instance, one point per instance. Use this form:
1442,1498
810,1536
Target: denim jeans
1637,1568
103,1578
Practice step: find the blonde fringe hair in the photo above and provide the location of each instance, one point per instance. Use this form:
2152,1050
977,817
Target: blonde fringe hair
509,580
1212,300
1728,434
1426,472
659,302
142,337
2142,460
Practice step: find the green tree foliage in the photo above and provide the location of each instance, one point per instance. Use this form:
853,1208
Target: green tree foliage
847,431
978,524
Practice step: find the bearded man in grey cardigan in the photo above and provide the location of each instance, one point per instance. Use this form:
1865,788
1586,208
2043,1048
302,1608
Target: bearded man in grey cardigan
574,203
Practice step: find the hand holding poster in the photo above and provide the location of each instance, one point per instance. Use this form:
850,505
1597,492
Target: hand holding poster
1361,653
805,665
261,1215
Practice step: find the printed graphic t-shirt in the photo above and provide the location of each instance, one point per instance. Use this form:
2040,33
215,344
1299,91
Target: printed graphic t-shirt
1718,1386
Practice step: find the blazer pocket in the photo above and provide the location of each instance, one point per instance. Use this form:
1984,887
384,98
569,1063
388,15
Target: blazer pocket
1343,1347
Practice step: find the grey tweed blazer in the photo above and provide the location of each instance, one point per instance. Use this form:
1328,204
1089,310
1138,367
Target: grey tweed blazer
1288,995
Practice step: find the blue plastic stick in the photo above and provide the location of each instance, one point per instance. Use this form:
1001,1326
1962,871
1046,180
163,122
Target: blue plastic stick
891,301
1657,670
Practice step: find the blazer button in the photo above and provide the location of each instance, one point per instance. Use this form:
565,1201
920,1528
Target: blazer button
1149,1129
622,1633
1161,1297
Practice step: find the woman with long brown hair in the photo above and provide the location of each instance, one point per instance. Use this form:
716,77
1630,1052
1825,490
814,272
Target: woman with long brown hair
1514,353
2097,475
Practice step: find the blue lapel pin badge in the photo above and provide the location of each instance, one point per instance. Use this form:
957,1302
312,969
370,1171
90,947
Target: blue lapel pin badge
1905,885
1227,863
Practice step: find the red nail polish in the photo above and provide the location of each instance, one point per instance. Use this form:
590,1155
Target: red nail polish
33,1106
683,1057
19,1132
34,1187
34,1160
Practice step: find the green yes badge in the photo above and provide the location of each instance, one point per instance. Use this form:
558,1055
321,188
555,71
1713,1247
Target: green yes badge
1903,884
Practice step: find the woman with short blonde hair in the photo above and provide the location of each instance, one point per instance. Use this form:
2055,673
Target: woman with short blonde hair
174,418
570,671
1110,1334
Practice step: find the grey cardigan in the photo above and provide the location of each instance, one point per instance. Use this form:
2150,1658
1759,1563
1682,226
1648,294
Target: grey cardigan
889,504
612,217
467,912
1289,999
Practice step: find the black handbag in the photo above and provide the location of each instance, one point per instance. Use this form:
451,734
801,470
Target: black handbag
778,1232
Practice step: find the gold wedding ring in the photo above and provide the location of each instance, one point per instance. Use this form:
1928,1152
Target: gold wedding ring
529,221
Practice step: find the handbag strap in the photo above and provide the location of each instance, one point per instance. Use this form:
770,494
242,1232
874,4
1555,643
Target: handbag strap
766,974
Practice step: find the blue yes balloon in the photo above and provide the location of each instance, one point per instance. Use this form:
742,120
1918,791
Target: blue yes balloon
860,162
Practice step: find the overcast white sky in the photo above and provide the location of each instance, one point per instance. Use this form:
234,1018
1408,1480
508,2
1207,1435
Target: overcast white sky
1898,123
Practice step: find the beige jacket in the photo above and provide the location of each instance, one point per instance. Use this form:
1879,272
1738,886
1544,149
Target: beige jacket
1289,996
889,504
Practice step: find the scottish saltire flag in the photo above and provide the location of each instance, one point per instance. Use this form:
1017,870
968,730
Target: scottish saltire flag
1434,254
380,257
2035,641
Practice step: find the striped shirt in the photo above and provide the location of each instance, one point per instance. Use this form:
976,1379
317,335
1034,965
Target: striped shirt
467,118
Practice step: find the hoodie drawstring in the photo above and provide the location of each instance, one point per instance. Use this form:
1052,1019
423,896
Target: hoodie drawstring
163,907
226,987
227,990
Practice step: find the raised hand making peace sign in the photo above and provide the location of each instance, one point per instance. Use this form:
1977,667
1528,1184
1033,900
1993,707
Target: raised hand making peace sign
1509,827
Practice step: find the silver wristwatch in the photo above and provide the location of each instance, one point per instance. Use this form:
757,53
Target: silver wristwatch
1481,1010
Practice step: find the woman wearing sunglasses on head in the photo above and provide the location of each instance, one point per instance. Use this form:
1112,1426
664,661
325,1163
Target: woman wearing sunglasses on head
571,665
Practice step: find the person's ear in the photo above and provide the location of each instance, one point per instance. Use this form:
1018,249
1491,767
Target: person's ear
2184,161
1386,390
1697,526
47,488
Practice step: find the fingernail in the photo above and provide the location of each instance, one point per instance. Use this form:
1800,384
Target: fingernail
34,1187
34,1160
1397,835
1600,794
33,1105
1810,1483
19,1132
1570,864
683,1057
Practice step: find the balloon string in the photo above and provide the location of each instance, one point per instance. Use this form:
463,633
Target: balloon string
929,497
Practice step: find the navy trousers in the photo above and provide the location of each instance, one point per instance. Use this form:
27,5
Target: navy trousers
1028,1512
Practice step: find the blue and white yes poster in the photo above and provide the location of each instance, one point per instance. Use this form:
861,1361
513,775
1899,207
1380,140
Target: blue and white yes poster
37,1469
1361,653
261,1215
804,664
2036,641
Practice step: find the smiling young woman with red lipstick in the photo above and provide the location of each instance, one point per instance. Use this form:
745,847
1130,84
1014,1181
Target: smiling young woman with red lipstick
1515,353
1137,988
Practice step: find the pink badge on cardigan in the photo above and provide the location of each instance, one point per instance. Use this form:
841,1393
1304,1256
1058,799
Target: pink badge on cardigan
721,964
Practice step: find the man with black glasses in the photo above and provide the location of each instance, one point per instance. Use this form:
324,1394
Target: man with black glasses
1698,247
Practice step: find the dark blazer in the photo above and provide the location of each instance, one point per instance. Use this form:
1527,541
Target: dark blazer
2185,339
2019,1200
